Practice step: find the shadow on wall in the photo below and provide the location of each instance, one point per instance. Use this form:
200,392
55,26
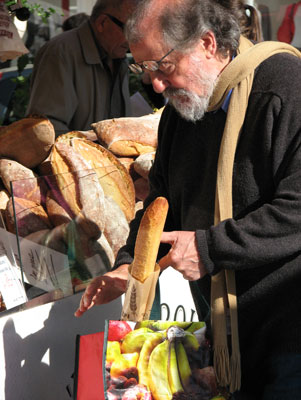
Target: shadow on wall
40,365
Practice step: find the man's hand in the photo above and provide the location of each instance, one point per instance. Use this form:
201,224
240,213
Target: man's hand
103,289
183,255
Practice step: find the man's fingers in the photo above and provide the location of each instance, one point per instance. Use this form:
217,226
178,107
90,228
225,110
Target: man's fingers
168,237
78,313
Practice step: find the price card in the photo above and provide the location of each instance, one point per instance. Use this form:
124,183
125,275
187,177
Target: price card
10,286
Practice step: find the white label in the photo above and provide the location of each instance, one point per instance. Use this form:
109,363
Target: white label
10,286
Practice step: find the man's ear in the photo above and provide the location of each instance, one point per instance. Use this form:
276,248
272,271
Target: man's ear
99,22
209,44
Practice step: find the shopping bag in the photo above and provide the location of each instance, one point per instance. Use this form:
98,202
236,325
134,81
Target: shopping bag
11,45
158,360
88,373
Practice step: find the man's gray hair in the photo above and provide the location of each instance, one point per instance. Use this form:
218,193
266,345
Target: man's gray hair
102,5
184,24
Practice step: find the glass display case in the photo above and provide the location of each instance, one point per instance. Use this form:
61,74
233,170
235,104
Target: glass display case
60,231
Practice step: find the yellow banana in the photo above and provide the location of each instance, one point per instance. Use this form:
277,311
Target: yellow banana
133,341
161,325
190,342
173,372
183,365
151,342
195,326
158,374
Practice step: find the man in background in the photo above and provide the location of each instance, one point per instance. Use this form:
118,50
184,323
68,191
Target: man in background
81,76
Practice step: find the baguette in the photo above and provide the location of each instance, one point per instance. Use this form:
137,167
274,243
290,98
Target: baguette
148,239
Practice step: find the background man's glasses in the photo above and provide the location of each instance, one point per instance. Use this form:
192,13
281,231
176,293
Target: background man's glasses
164,66
116,21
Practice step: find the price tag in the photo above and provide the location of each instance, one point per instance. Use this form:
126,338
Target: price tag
10,286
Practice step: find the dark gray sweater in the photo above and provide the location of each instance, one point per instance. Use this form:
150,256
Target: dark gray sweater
262,242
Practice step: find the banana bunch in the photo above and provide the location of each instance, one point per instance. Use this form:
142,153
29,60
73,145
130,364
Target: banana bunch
164,355
163,365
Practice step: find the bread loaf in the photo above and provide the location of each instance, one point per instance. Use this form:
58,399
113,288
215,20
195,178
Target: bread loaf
143,164
112,175
130,136
148,239
27,141
30,217
141,188
116,226
79,187
57,214
25,183
4,198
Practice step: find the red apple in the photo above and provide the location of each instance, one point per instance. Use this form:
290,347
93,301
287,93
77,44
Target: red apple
118,330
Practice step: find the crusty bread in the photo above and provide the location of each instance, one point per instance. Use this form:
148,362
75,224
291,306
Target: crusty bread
130,136
29,216
148,239
27,141
79,187
143,164
25,183
112,175
141,188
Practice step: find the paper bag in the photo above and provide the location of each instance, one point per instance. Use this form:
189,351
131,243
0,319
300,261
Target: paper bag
11,45
139,297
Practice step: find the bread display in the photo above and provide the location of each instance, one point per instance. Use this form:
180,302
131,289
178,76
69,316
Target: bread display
129,137
28,141
148,239
77,194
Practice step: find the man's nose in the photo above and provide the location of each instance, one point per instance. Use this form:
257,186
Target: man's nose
159,82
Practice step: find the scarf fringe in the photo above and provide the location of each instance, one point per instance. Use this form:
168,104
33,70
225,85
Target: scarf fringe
221,365
235,370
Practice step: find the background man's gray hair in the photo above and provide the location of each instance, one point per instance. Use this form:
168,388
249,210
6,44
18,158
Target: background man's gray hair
184,24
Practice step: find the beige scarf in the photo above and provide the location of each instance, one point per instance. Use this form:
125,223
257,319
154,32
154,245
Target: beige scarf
238,75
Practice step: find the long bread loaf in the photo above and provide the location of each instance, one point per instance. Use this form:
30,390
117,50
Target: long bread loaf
148,239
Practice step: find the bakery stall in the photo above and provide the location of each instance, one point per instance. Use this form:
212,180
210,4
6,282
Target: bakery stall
65,208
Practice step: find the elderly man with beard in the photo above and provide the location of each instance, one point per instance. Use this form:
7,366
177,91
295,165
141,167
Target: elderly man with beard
228,161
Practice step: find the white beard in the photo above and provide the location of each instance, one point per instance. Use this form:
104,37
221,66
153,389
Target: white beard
191,106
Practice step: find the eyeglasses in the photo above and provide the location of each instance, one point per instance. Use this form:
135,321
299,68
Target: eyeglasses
164,66
115,20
